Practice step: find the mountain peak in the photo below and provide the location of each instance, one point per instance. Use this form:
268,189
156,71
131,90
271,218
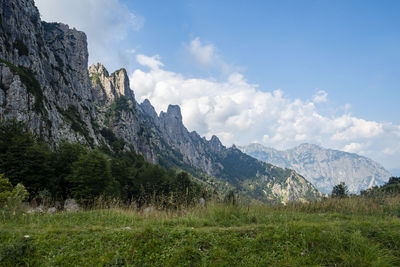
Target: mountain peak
174,111
98,69
148,108
121,71
216,144
108,88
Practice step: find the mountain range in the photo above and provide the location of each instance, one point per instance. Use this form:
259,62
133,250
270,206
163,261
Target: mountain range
325,168
45,81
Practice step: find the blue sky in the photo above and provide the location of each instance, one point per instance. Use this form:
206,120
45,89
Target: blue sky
351,49
275,72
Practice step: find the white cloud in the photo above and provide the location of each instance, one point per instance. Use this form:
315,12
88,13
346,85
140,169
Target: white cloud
320,97
354,148
106,22
238,112
204,54
153,62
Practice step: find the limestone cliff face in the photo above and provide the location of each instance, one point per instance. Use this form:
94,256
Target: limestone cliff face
118,111
44,81
324,167
43,75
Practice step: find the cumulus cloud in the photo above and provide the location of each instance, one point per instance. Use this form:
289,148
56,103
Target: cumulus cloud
354,148
239,112
320,97
153,62
106,23
206,56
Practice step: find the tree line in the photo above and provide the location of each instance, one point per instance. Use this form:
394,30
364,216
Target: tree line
72,170
391,187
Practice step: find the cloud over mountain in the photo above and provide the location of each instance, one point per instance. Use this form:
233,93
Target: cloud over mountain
239,112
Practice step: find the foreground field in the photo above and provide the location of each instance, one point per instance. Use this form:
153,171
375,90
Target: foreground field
348,232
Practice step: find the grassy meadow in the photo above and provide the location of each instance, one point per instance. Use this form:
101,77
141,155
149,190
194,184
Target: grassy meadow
335,232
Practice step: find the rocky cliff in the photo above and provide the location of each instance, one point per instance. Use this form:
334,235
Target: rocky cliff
43,75
44,81
324,167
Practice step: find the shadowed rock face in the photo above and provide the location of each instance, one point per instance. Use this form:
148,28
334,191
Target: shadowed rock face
324,167
45,81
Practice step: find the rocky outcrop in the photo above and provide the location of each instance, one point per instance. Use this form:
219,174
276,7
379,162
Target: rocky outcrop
45,82
117,112
325,168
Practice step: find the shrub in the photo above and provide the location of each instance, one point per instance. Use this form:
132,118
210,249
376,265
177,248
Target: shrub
5,189
11,198
340,190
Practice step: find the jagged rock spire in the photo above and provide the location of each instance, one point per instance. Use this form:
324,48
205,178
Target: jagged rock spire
108,88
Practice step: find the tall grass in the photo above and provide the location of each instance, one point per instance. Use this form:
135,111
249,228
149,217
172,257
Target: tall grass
353,231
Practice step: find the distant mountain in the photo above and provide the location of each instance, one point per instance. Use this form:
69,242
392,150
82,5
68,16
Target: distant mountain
324,167
45,81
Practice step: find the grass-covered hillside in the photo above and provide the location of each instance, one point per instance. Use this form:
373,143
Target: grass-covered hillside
354,231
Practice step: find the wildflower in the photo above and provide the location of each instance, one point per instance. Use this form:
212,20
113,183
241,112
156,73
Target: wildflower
304,253
27,236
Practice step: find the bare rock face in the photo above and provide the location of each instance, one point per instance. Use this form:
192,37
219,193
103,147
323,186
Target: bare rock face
43,74
149,110
109,88
325,168
118,111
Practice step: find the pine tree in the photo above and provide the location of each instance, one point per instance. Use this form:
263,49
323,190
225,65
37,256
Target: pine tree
340,190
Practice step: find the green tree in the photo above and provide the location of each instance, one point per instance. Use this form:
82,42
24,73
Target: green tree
64,157
91,178
394,180
186,190
23,158
340,190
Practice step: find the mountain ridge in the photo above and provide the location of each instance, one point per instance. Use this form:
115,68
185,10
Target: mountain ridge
324,167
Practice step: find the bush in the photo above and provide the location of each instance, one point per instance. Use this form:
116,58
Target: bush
340,190
11,198
5,189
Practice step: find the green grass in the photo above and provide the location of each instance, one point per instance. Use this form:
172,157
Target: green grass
342,232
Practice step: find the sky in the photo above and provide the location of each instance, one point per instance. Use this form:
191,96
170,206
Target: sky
279,73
